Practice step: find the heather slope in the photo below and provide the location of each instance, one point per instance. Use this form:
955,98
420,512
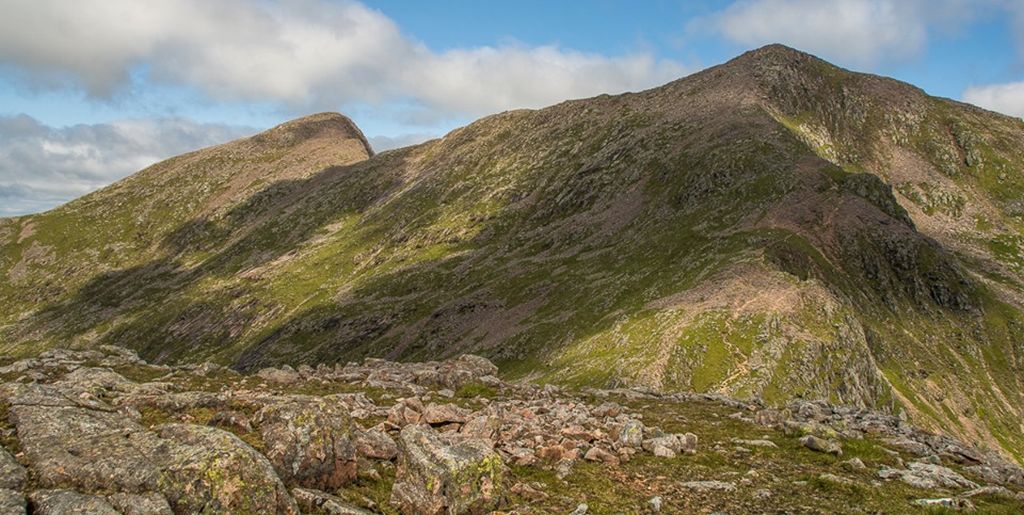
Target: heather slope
773,227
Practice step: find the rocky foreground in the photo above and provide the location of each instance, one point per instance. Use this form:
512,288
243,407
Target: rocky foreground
101,431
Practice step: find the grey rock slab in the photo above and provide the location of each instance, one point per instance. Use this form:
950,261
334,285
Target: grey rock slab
213,471
316,501
12,502
12,474
310,441
64,502
436,475
150,503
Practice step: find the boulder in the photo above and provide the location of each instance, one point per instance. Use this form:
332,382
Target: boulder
376,444
607,409
631,434
311,442
927,476
909,446
150,503
438,414
483,426
285,375
67,444
946,503
12,474
599,454
212,471
438,475
12,502
821,445
316,501
854,465
406,411
674,443
63,502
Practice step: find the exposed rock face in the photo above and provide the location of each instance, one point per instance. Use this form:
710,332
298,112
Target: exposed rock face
822,445
61,502
446,476
928,475
140,504
212,470
310,441
163,446
315,501
12,474
12,502
86,444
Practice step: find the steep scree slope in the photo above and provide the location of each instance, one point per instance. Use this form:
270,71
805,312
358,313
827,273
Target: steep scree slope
774,227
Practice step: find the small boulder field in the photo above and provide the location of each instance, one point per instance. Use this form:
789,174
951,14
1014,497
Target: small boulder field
102,431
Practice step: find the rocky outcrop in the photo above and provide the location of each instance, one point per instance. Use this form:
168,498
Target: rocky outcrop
310,441
212,470
204,439
61,502
438,475
316,501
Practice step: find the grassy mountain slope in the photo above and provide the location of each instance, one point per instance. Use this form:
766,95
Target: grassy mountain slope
774,226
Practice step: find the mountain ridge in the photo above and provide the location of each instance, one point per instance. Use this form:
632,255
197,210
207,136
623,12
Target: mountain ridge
772,227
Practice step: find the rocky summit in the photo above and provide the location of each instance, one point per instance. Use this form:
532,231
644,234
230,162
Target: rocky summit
782,264
102,431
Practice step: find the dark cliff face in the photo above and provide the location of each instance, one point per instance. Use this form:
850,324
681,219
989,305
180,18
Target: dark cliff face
773,227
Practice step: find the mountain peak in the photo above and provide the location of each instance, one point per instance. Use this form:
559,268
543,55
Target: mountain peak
327,125
774,50
774,55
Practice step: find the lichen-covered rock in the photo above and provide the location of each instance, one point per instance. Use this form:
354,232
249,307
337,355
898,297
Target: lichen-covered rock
213,471
232,420
406,411
94,380
822,445
435,414
64,502
482,426
928,475
12,474
90,449
446,476
12,502
310,441
150,503
632,434
284,375
376,444
315,501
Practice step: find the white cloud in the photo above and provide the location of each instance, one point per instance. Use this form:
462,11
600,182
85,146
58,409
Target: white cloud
859,31
1004,98
42,166
305,53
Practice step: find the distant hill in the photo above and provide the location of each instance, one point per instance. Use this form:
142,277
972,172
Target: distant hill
774,226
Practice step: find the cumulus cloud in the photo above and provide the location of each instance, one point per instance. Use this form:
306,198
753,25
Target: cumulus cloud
304,53
43,166
862,32
1003,98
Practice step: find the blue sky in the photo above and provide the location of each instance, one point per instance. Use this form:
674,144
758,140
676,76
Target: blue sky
93,90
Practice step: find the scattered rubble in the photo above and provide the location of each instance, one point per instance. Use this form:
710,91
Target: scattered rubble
83,435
